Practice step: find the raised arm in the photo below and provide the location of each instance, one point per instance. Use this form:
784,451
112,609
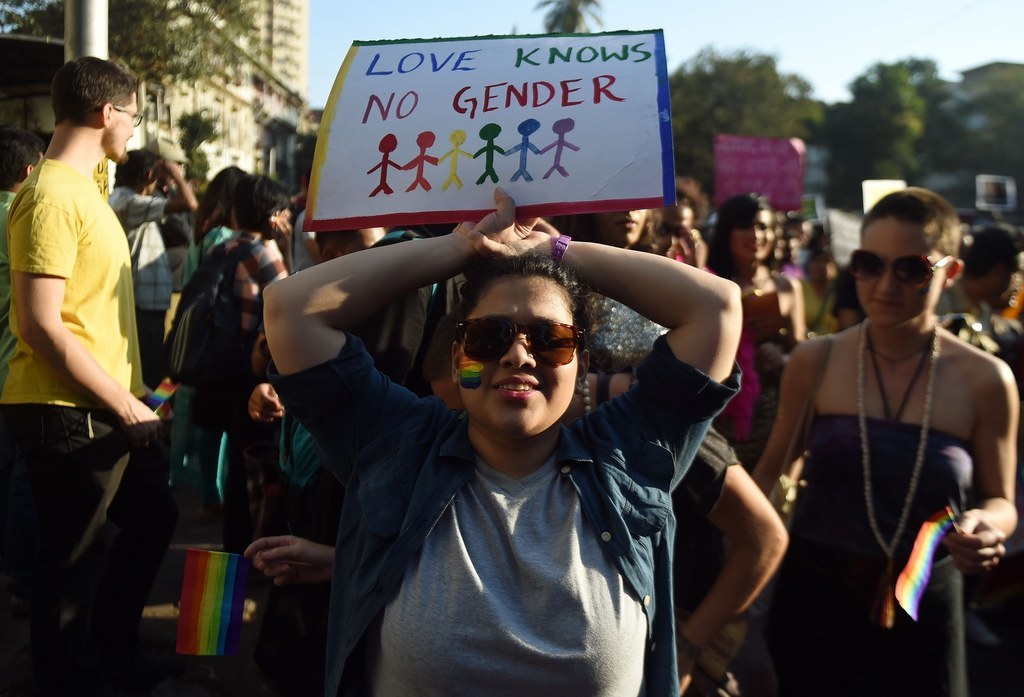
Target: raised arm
702,312
186,199
306,314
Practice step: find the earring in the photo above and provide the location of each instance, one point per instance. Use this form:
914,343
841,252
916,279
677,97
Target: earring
583,388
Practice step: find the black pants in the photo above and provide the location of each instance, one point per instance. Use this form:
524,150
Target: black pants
823,642
151,329
81,472
224,407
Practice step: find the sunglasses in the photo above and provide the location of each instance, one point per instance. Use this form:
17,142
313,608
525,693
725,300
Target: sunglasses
914,270
489,338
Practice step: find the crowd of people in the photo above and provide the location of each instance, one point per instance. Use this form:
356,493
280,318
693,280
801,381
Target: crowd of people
555,456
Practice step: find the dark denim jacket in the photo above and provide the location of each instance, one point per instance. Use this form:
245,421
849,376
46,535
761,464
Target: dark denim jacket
403,458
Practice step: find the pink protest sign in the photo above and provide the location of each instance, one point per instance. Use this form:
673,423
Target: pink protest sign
773,167
422,131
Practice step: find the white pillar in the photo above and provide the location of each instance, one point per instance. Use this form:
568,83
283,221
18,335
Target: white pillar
85,29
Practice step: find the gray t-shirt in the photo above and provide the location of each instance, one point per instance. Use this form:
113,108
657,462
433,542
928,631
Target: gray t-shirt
511,595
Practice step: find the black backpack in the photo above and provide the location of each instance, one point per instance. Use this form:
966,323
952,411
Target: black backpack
205,344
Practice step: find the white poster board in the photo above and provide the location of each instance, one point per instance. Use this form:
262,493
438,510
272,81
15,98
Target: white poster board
874,190
994,192
422,131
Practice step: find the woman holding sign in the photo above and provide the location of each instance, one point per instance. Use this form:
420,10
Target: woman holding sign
909,420
498,552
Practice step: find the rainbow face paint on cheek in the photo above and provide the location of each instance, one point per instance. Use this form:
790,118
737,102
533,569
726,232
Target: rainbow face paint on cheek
470,372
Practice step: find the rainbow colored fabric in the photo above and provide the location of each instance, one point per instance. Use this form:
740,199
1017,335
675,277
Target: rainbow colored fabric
158,400
212,598
914,578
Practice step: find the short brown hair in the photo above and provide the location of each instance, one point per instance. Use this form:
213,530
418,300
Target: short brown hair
921,207
85,84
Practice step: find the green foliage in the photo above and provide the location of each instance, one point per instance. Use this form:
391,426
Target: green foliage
741,94
160,40
570,16
197,128
875,135
993,108
32,17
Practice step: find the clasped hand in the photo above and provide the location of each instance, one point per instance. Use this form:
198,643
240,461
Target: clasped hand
500,234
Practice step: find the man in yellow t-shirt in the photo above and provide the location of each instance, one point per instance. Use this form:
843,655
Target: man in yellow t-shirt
72,399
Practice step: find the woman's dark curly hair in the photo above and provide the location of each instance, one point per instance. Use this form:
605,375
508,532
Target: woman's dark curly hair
482,273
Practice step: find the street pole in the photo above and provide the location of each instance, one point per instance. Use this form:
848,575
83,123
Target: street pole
85,29
85,34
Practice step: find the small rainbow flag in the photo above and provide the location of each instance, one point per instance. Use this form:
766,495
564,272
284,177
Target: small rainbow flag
212,597
158,399
914,578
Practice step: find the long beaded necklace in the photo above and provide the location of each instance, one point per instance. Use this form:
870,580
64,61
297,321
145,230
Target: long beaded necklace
884,610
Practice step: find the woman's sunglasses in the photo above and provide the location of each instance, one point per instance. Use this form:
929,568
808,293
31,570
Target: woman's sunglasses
913,270
488,339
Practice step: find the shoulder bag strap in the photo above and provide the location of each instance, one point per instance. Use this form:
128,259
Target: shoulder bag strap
789,481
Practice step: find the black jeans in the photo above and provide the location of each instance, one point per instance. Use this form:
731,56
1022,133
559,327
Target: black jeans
151,328
224,406
81,472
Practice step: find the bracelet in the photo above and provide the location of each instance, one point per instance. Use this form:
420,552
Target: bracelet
558,246
688,647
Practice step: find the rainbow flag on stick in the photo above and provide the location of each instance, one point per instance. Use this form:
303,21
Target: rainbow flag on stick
914,578
157,401
212,597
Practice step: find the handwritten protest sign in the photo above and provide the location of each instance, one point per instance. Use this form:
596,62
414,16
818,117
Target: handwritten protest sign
422,131
772,167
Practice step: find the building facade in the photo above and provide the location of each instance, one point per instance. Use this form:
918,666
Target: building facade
258,108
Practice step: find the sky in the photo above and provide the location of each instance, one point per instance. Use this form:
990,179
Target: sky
827,42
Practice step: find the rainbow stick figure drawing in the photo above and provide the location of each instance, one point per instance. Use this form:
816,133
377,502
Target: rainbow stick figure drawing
489,133
457,138
424,140
387,146
560,127
527,128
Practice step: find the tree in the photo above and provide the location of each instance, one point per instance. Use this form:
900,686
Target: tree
158,39
741,94
993,109
874,136
940,146
570,16
197,128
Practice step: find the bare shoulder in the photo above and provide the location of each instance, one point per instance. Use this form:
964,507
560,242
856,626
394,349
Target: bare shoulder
806,356
989,378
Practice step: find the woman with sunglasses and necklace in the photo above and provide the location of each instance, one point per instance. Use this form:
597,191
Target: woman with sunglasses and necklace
497,552
909,419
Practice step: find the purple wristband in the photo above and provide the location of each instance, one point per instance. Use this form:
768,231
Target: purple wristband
558,246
